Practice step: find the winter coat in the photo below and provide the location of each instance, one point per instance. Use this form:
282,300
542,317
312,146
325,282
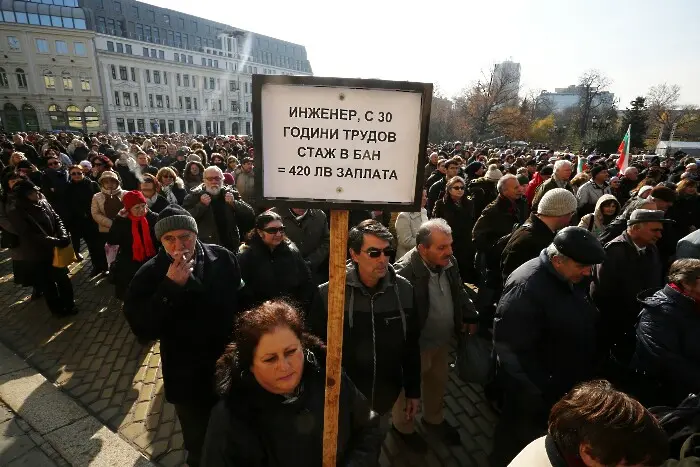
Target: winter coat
545,350
498,219
623,275
588,195
483,191
252,427
238,218
381,352
159,204
407,225
532,186
245,184
597,226
461,219
124,267
53,185
280,273
148,169
79,199
544,188
412,268
436,176
97,207
689,246
8,234
126,174
39,229
686,212
525,243
193,322
668,349
626,186
175,193
311,236
435,192
429,169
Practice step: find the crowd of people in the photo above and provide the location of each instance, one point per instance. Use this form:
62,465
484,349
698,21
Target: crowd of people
572,269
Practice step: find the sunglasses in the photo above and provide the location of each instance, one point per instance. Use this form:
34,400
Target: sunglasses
376,252
458,188
274,230
167,176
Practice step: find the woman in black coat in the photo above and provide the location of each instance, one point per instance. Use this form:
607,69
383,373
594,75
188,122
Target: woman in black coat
133,231
271,380
150,188
458,211
40,230
79,221
272,266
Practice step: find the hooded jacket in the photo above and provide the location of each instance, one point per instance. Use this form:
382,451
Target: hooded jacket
532,186
381,352
252,427
97,207
598,225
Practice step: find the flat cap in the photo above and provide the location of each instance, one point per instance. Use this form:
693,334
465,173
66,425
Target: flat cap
647,215
580,245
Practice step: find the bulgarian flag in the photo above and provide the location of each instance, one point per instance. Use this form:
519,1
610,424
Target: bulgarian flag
624,151
581,165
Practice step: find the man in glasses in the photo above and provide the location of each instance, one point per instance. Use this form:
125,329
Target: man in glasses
222,217
380,340
187,297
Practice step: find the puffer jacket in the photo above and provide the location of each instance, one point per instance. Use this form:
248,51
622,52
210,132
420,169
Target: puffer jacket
598,224
381,351
98,207
668,348
254,428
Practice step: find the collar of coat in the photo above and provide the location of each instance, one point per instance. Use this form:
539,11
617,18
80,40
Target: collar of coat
420,268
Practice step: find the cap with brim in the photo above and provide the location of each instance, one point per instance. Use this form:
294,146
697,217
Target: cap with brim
648,215
580,245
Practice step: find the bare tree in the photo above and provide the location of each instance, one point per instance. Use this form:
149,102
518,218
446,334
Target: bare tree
664,111
592,84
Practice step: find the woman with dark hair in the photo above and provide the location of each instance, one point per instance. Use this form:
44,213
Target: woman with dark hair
194,175
217,160
271,380
272,267
458,211
171,187
232,164
133,231
40,229
685,210
150,188
100,163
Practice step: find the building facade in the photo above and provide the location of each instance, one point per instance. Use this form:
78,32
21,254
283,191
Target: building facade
165,71
506,76
565,98
48,73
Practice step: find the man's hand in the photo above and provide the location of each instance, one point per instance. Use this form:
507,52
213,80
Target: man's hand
412,407
229,198
180,270
205,199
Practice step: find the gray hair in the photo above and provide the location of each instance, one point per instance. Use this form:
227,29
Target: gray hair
501,185
552,251
685,270
561,163
213,168
427,228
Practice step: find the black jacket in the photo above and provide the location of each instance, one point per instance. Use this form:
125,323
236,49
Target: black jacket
54,184
79,199
435,192
193,322
252,427
460,218
381,352
483,191
544,349
412,268
124,267
544,188
280,273
39,229
668,348
160,204
525,243
433,178
498,219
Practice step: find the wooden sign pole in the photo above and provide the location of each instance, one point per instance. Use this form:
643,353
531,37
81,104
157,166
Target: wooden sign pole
336,318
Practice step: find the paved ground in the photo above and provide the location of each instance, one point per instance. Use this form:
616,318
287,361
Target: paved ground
96,360
21,446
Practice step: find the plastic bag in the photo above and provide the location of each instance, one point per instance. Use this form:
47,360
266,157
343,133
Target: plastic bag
111,253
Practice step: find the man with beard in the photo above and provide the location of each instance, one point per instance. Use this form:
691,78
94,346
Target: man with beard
222,217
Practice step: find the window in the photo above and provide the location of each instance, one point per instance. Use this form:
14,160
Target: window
167,102
161,54
247,128
61,48
159,101
156,77
194,25
13,42
247,106
120,47
145,51
84,83
204,61
194,81
42,46
177,78
206,103
116,99
136,99
21,78
179,100
120,125
232,86
67,81
128,49
151,15
181,23
133,74
166,19
153,53
150,100
234,106
205,83
186,80
246,87
110,46
135,11
220,106
177,57
178,39
190,59
165,77
194,101
114,71
3,78
216,64
123,73
127,99
148,76
156,34
209,63
188,103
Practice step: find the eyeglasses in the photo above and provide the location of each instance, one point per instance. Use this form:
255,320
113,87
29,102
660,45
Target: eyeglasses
274,230
75,174
171,238
458,188
376,252
212,179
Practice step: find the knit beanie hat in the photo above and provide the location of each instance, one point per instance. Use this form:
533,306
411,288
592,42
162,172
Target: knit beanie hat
174,217
132,198
596,169
557,202
493,173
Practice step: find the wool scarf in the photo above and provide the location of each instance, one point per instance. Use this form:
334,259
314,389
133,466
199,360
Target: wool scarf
141,248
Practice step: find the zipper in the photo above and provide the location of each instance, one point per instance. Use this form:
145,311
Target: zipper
374,349
388,321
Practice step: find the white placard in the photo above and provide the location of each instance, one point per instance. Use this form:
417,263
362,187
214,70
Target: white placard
340,144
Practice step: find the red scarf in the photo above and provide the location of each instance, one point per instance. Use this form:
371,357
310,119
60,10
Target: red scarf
141,249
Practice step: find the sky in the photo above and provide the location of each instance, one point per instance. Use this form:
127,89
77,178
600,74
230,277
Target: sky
635,43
